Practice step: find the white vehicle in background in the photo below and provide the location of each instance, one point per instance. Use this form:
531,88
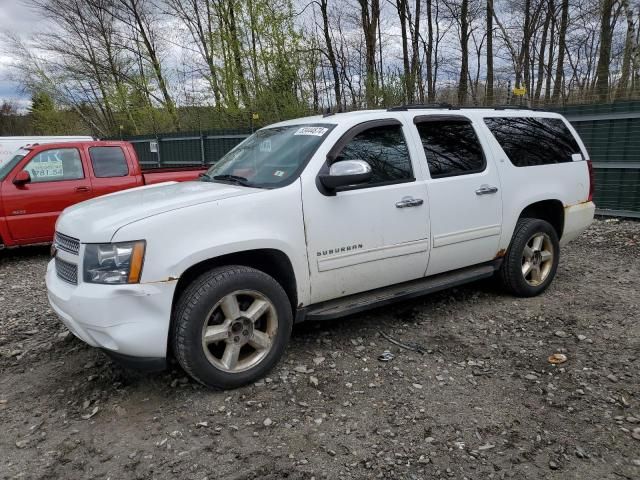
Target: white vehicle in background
318,218
9,145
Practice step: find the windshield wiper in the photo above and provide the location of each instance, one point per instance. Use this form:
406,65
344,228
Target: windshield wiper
238,180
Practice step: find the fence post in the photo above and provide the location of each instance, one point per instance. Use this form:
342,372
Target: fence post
202,156
159,157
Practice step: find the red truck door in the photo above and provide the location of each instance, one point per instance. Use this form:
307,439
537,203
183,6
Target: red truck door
111,170
58,179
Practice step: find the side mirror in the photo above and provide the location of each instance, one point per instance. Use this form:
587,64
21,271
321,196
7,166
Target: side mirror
346,172
22,178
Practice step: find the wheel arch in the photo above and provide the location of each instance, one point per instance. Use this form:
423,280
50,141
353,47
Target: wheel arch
551,211
273,262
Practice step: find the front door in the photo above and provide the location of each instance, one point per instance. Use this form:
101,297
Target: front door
464,192
371,235
57,181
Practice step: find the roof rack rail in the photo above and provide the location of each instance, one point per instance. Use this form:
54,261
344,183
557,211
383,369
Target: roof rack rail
418,106
448,106
513,107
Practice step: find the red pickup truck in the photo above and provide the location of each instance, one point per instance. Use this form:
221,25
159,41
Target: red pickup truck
42,180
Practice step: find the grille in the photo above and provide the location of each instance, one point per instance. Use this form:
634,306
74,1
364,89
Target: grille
67,271
68,244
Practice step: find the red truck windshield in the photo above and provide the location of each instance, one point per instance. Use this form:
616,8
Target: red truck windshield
271,157
7,167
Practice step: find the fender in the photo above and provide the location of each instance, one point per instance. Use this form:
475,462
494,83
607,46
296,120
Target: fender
179,239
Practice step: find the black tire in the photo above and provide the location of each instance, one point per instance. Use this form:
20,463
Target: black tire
511,271
193,309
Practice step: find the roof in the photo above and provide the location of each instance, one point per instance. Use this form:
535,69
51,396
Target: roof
72,144
358,116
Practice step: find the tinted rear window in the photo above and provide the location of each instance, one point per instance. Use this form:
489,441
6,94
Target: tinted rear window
108,162
451,147
529,141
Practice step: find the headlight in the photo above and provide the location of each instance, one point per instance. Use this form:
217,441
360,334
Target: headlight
113,263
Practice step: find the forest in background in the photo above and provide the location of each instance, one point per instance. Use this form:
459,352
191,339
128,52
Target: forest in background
129,67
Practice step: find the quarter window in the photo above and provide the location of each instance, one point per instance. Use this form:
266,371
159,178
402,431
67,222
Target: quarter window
451,147
108,162
384,148
530,141
55,165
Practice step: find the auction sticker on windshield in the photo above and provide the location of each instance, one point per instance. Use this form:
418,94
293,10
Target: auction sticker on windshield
315,131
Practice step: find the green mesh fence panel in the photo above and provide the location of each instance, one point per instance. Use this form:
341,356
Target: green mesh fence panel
611,133
185,148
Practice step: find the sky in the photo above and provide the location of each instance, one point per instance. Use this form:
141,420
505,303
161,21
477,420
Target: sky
15,17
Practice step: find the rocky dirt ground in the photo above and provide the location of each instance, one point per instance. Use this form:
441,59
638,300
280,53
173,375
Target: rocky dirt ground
481,402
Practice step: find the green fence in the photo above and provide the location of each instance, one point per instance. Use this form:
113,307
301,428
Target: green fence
181,149
611,133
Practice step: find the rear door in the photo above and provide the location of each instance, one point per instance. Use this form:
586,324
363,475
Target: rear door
464,192
58,180
111,171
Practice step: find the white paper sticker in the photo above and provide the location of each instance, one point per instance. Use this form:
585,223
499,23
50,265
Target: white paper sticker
265,145
315,131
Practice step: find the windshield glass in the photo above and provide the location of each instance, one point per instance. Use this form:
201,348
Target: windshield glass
7,167
269,158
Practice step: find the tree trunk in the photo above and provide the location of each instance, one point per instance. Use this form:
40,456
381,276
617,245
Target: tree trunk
369,18
629,47
401,7
562,46
330,53
416,67
235,50
489,93
606,33
431,94
547,86
464,48
543,47
526,45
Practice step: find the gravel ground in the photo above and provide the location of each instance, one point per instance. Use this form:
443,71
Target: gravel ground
481,402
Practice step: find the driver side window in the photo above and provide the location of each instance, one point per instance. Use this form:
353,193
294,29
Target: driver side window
55,165
385,149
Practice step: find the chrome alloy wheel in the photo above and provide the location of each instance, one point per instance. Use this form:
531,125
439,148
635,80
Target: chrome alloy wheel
239,331
537,259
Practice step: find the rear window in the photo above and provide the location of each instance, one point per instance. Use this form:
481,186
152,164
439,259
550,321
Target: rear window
530,141
451,147
108,162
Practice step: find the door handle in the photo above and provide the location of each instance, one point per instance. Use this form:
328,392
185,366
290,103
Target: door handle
409,202
82,189
486,190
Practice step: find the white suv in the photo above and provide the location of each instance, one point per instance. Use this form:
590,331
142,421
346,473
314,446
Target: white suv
318,218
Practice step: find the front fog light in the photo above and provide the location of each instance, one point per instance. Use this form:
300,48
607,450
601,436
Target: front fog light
113,263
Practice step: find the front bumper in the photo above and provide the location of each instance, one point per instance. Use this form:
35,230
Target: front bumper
126,320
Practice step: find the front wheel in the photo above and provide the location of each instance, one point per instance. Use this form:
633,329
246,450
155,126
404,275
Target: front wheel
231,326
532,259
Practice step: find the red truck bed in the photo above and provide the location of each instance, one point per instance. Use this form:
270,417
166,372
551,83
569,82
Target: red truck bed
41,181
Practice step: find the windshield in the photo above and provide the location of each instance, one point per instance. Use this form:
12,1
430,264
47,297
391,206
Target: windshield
271,157
7,167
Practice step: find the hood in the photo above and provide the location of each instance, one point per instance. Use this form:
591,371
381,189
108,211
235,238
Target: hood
97,220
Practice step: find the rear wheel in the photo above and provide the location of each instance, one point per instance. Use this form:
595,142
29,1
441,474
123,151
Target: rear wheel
532,259
231,326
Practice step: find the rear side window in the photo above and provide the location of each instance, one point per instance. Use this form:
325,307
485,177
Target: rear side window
529,141
108,162
451,147
385,150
